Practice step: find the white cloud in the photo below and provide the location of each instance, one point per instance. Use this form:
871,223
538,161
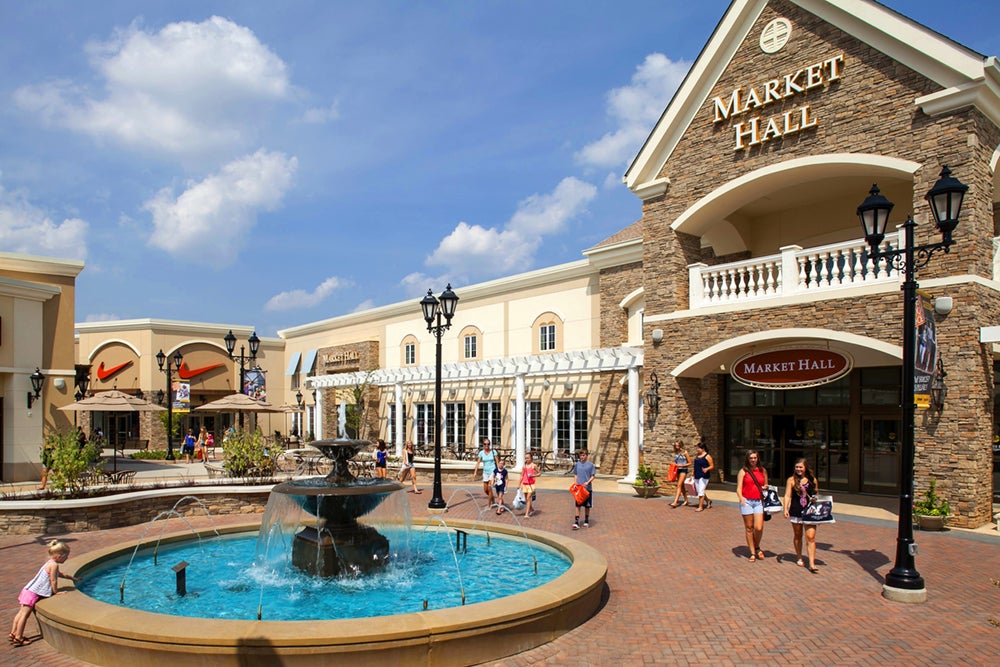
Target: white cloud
214,215
188,89
472,250
26,229
320,115
296,299
635,108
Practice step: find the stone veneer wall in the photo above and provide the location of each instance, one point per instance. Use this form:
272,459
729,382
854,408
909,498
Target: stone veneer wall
611,453
54,517
871,110
368,359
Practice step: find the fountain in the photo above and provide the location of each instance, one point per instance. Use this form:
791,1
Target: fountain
337,542
331,539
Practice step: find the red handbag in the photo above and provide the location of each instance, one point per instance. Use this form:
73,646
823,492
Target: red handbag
580,493
672,472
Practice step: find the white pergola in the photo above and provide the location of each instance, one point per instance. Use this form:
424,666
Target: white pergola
520,369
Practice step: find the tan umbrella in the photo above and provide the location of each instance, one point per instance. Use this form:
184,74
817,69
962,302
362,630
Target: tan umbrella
113,401
238,403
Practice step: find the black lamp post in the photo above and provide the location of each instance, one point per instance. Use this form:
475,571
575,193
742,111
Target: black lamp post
945,199
254,346
169,370
434,309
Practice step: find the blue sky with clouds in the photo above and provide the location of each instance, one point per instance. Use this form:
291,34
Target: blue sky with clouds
273,164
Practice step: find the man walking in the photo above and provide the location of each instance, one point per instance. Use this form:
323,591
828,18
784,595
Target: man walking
585,473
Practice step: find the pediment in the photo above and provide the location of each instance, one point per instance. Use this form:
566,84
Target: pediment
955,76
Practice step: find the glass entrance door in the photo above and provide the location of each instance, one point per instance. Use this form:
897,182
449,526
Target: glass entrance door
880,460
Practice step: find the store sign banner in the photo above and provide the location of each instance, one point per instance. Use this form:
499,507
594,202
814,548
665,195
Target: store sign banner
791,367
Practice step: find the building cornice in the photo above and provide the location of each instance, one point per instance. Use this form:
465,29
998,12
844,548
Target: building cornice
40,265
22,289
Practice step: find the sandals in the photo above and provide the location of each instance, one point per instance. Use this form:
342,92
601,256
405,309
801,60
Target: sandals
753,559
760,555
18,641
813,569
675,505
800,563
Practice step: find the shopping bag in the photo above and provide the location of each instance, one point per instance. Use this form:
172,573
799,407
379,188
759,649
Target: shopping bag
519,501
690,487
771,501
819,510
580,493
672,472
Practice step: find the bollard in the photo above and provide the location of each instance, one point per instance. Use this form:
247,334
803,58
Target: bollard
180,569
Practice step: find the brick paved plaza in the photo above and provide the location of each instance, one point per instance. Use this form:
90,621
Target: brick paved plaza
681,591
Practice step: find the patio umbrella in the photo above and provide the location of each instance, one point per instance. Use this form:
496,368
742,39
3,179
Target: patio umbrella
113,401
238,403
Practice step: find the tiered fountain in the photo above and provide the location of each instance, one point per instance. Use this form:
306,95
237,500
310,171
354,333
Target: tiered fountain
337,542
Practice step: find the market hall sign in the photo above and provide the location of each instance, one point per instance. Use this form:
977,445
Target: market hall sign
755,131
791,368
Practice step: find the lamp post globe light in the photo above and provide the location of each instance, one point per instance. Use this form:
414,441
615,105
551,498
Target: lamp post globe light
903,583
171,365
254,343
434,309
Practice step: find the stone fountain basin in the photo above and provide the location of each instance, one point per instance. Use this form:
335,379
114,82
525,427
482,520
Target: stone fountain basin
105,634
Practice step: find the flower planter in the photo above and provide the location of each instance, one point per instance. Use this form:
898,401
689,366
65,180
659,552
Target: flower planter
928,522
646,491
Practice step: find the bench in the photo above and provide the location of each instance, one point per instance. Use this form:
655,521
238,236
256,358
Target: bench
133,443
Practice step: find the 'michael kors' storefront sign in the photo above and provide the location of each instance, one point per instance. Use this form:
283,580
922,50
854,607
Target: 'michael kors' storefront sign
791,367
755,131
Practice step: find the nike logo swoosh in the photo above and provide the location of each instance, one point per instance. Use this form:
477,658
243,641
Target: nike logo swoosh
186,373
104,374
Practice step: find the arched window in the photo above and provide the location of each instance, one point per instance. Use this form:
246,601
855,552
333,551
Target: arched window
547,334
470,342
408,351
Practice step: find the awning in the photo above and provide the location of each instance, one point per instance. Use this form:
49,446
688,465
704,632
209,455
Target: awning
293,364
309,362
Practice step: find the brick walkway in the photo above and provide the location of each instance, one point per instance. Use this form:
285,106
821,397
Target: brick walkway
680,589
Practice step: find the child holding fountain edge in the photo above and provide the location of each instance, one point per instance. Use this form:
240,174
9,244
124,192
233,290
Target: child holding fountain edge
45,584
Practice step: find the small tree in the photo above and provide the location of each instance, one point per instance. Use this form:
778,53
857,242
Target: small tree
356,416
69,461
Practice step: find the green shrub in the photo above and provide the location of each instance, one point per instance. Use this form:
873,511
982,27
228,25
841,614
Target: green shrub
247,455
932,504
150,455
70,461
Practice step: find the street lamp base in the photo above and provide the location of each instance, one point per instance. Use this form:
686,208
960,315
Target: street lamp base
905,595
437,504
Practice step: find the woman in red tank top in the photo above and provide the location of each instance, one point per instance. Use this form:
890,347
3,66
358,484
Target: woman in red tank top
749,482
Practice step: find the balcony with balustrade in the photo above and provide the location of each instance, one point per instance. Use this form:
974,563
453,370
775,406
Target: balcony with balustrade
795,272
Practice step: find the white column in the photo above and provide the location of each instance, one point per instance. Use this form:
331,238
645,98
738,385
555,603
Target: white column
634,423
400,426
319,414
520,425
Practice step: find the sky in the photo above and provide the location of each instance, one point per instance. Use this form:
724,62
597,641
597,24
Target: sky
275,164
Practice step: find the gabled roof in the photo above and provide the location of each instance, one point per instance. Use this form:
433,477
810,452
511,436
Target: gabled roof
965,77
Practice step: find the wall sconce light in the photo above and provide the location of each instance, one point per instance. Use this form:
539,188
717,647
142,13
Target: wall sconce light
453,392
657,336
36,383
546,384
486,391
939,390
653,396
943,305
159,396
59,383
422,394
568,387
139,394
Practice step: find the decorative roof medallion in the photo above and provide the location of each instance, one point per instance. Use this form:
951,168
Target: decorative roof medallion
775,35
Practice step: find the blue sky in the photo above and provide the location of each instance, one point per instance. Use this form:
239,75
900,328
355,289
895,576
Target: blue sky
273,164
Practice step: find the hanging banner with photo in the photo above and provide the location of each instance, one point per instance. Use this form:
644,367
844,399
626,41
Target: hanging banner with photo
255,384
181,396
925,362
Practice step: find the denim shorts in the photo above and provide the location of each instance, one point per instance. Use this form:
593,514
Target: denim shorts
748,507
